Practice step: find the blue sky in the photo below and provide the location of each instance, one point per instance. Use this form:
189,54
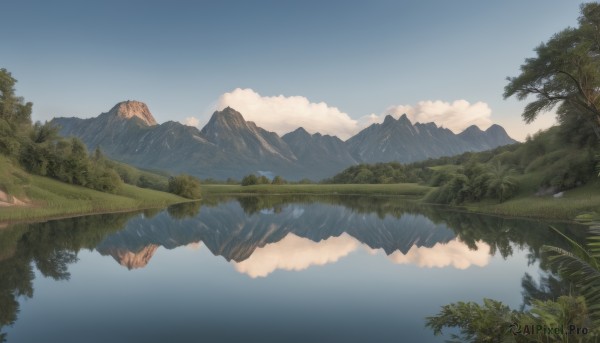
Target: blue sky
79,58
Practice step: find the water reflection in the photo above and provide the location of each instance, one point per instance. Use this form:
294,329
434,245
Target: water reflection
454,253
262,235
296,253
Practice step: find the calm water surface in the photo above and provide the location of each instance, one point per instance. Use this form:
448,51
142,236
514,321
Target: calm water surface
271,269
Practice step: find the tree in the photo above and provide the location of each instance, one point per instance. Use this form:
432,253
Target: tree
566,71
185,185
15,116
278,180
12,108
502,183
263,180
249,180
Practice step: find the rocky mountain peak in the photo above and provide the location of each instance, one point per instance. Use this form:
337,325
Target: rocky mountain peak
472,129
300,132
227,117
388,119
404,119
496,128
130,109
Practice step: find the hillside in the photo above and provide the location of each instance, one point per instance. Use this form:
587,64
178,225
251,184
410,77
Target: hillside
551,175
32,197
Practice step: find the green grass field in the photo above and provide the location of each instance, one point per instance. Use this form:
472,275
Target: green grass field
576,202
49,198
410,190
582,200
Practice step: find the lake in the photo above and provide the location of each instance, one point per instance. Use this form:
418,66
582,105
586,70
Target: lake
261,269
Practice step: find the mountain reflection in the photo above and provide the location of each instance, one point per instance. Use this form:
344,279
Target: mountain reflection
292,237
262,234
296,253
134,260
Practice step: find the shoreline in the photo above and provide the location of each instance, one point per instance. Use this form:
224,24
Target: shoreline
7,223
537,208
566,209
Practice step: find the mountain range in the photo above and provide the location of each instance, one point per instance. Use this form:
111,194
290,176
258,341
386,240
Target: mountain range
230,146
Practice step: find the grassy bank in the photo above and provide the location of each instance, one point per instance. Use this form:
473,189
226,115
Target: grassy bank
573,203
409,190
585,199
48,198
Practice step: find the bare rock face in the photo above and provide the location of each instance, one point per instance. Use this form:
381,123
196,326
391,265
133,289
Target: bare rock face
131,108
9,200
134,260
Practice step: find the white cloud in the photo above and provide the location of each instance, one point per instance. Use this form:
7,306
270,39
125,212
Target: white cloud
191,121
296,253
454,253
456,116
283,114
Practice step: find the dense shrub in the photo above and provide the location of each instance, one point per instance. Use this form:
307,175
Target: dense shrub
249,180
185,186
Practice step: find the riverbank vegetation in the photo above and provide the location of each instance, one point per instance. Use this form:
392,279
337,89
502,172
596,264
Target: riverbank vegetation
411,190
44,175
45,197
565,307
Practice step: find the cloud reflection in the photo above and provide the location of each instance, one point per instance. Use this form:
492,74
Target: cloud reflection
297,253
454,253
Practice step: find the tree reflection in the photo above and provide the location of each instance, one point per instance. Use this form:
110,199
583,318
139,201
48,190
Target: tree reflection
52,246
184,210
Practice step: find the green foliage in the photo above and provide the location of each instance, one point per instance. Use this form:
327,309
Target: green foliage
252,179
566,71
249,180
475,182
495,322
581,265
134,176
278,180
9,143
489,322
391,172
581,308
40,149
574,168
502,183
185,186
51,198
12,108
